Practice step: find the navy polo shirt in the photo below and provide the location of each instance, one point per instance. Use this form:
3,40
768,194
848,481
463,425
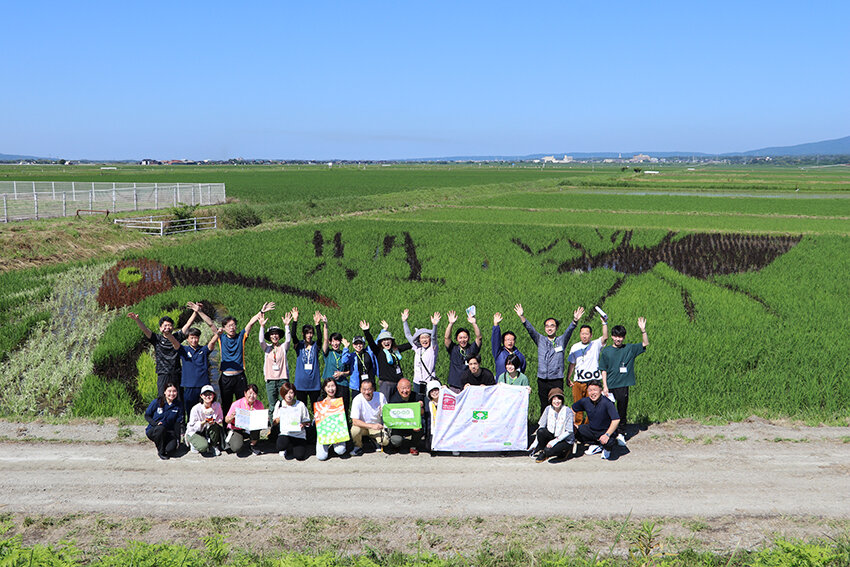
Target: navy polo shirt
196,366
599,415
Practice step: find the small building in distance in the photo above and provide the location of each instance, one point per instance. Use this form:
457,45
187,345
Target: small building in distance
148,161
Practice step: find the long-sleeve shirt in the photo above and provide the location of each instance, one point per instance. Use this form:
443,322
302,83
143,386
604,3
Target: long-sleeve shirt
550,352
169,415
199,416
559,424
274,366
361,365
389,362
307,367
424,359
500,353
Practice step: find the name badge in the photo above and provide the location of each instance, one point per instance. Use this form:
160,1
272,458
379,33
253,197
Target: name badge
559,349
189,354
276,367
308,366
623,370
398,369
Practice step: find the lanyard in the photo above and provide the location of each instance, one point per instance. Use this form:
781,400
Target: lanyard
336,359
304,351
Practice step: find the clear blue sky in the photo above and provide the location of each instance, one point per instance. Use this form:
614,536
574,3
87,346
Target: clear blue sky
370,80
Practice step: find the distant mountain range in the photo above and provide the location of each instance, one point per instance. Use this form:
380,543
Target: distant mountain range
839,146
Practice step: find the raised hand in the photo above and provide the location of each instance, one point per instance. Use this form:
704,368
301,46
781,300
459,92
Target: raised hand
287,318
518,310
133,316
364,325
345,343
317,317
642,324
269,306
435,318
193,306
405,314
452,317
262,320
578,313
384,324
471,319
497,318
294,314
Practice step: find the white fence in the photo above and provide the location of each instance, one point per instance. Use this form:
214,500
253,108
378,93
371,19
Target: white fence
23,200
164,225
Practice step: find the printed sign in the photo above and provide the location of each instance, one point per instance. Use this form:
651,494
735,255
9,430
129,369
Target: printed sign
402,416
251,420
331,423
485,418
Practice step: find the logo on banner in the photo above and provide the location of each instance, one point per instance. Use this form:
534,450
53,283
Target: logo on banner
479,415
402,413
449,402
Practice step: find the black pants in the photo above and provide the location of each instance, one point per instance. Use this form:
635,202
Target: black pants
345,393
543,389
419,389
585,434
308,398
560,448
163,379
398,437
230,386
621,397
296,446
164,438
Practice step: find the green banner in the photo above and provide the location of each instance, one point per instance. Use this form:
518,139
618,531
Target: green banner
403,416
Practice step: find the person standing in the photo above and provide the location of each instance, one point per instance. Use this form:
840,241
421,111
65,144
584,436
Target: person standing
231,377
617,363
461,350
275,367
195,372
503,346
360,361
424,343
389,356
335,357
550,352
167,359
584,362
307,374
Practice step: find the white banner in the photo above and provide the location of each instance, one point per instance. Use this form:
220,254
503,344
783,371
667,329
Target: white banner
482,418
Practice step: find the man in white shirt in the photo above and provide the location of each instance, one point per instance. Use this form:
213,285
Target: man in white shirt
366,417
584,363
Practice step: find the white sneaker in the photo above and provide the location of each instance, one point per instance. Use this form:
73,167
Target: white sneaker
456,453
217,451
282,454
621,440
606,454
593,449
192,448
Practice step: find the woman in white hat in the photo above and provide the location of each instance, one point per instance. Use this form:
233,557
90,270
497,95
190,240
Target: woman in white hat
204,430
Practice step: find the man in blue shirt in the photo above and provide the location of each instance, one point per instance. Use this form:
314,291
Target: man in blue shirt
502,346
602,420
231,378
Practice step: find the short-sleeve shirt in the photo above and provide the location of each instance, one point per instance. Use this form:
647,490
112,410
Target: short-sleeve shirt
196,366
280,409
335,361
233,352
599,415
165,355
241,403
368,411
307,379
619,363
457,361
586,359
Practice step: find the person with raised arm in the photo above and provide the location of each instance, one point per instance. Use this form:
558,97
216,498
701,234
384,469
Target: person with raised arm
584,362
167,359
503,345
461,350
389,356
275,368
307,374
617,364
550,352
424,343
360,361
195,372
335,357
231,377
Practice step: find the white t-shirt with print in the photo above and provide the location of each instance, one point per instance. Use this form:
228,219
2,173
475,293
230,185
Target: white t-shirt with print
586,359
368,412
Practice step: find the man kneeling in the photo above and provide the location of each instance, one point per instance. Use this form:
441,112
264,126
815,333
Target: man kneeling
403,394
366,417
602,420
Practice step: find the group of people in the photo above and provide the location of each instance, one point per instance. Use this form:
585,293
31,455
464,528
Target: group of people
367,373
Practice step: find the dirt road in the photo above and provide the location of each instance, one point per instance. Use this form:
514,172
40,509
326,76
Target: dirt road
678,469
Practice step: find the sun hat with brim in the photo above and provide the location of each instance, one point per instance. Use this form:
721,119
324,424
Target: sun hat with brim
271,330
556,392
384,334
419,333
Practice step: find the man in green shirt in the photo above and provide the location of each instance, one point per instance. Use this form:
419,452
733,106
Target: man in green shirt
617,364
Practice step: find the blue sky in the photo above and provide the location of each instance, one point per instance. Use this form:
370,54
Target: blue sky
373,80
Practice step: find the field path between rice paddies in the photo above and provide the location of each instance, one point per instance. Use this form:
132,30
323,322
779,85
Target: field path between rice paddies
679,469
